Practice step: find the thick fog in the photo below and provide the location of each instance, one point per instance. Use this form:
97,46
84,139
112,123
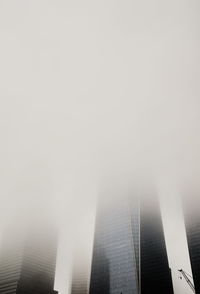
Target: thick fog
93,91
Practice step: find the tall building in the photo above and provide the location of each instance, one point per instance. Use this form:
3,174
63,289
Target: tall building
27,263
191,205
114,265
129,254
155,274
135,225
79,282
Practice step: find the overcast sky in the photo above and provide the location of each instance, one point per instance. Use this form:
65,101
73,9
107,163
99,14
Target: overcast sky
94,88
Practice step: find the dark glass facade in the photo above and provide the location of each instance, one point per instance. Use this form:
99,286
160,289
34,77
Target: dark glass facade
192,223
155,274
129,254
135,224
114,267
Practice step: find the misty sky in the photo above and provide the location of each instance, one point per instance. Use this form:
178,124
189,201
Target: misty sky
95,88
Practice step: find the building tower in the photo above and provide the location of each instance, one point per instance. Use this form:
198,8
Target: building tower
79,282
191,205
129,254
155,274
27,263
114,265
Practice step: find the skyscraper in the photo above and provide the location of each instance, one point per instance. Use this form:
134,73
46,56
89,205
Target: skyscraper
129,254
79,282
155,274
135,225
114,265
27,263
191,205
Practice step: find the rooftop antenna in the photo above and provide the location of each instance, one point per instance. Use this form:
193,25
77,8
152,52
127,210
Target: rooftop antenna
186,277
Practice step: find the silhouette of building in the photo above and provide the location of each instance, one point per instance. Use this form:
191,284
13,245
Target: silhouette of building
27,263
155,274
192,224
114,265
100,273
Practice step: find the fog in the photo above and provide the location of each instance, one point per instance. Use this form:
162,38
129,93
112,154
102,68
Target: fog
93,91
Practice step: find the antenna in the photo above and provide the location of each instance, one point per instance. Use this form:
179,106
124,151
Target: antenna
185,275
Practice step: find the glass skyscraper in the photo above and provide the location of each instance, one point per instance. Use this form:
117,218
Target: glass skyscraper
129,254
192,224
155,274
114,264
79,282
27,265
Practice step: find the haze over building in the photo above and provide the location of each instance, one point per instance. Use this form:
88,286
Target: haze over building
79,280
28,261
114,265
129,254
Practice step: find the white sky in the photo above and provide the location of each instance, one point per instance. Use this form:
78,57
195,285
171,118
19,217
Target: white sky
89,88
